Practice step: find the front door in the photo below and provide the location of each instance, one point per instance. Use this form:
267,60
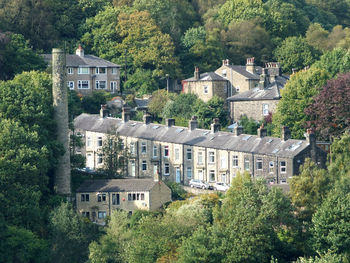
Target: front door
178,175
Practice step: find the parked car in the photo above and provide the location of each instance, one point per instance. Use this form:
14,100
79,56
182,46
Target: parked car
218,186
199,184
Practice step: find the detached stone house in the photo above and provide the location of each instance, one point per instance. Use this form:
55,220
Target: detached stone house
258,102
206,85
180,154
87,73
96,199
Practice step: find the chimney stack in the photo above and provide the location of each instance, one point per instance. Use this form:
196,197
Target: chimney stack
250,66
262,132
62,181
79,51
126,114
147,119
104,112
193,123
215,126
285,133
227,62
196,73
263,79
238,130
170,122
311,139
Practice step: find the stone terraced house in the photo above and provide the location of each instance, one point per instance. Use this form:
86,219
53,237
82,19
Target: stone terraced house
179,154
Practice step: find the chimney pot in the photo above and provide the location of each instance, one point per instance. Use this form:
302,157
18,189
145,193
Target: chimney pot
196,73
193,123
262,132
238,130
215,126
104,112
147,119
285,134
80,51
126,114
170,122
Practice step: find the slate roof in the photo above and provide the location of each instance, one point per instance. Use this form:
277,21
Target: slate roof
199,137
208,76
271,92
117,185
243,71
86,60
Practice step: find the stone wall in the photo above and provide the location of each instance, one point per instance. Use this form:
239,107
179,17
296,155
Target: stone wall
252,109
60,105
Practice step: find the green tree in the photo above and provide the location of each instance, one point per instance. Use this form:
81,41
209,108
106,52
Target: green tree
340,156
331,227
92,103
214,108
334,62
296,53
114,155
296,97
158,101
21,245
110,248
308,189
141,82
182,105
16,56
250,126
70,234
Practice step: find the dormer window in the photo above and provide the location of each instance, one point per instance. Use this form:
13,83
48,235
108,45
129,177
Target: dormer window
101,71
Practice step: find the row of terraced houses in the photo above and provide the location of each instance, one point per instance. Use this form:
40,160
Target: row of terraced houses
180,154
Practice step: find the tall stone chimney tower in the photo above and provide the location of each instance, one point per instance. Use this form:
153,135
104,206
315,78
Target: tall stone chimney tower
60,105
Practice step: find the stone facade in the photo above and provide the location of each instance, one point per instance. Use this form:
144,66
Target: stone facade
206,85
97,199
256,109
180,154
60,105
87,73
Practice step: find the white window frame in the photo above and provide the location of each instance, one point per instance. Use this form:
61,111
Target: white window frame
81,82
177,154
259,164
200,157
99,141
143,147
189,173
271,166
99,69
70,84
235,161
283,168
144,165
81,70
211,157
99,82
70,70
166,151
246,164
99,158
189,154
265,109
132,148
102,214
223,161
88,141
166,169
205,89
155,151
211,174
113,85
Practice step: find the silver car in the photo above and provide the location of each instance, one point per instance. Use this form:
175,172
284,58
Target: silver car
199,184
218,186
